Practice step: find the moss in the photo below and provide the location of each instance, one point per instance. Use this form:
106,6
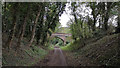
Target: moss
51,47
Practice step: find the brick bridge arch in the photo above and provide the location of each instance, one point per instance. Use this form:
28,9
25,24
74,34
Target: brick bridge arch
61,35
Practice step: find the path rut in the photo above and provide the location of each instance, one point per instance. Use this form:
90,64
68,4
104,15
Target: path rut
57,59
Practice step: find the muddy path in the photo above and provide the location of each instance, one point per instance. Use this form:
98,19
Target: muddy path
54,58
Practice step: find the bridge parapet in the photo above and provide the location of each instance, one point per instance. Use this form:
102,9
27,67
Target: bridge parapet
61,35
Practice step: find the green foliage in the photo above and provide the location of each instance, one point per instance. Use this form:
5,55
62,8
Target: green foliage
36,52
80,30
47,26
51,47
26,57
57,28
47,21
103,50
57,41
74,45
64,30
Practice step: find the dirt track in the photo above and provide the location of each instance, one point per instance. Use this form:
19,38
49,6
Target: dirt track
54,58
57,59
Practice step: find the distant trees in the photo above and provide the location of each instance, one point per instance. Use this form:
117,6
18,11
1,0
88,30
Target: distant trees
37,21
101,9
80,30
94,13
31,21
94,23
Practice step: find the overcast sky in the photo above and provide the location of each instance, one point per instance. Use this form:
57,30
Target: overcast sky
65,17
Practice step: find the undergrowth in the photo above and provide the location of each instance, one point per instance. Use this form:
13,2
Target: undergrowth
25,57
103,50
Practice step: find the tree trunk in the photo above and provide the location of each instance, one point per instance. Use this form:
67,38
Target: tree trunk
34,28
118,28
118,23
94,27
75,15
94,17
75,18
106,18
22,31
11,36
106,22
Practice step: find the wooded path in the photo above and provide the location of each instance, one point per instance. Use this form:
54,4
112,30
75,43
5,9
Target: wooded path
57,59
54,58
